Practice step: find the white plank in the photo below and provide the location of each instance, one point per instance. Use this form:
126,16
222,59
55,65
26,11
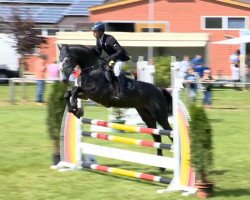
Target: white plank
126,155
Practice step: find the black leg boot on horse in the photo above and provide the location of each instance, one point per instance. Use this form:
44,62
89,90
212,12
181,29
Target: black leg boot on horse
120,89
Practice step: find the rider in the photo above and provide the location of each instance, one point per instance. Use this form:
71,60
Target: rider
117,55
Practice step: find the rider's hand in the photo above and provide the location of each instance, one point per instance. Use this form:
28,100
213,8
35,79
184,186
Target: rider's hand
111,63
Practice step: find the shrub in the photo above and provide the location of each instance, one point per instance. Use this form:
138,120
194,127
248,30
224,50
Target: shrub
163,71
201,142
56,107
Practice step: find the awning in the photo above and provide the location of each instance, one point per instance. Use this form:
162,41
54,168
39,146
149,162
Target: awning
139,39
237,40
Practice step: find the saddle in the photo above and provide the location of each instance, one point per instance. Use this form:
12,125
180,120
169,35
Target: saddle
128,79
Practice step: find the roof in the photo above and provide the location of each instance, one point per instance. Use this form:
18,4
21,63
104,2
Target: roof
242,3
139,39
46,11
113,4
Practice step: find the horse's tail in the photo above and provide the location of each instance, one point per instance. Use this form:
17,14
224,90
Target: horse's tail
169,100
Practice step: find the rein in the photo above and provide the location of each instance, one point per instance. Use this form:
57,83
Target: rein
91,67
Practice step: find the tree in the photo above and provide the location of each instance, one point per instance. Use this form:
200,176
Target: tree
25,35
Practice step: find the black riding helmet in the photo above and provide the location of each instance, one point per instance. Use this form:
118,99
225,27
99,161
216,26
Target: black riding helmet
98,26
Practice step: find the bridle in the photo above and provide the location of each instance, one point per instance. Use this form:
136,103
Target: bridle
88,69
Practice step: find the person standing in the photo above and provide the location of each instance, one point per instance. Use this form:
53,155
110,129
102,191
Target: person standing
117,55
191,82
235,65
53,70
197,60
198,64
40,74
206,81
185,63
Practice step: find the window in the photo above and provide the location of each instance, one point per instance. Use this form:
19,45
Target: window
225,22
236,23
52,31
153,30
156,27
213,22
120,26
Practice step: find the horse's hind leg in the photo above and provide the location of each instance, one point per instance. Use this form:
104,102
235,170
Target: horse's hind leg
151,123
160,113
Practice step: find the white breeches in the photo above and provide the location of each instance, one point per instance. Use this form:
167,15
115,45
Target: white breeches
118,67
235,72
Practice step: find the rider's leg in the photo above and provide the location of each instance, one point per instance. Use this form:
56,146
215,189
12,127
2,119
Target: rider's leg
117,71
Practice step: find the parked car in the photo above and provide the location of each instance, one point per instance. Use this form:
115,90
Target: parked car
9,58
6,73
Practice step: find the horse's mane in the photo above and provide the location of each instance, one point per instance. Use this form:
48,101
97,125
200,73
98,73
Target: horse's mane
82,47
89,50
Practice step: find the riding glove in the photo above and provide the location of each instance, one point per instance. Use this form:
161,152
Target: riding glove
111,63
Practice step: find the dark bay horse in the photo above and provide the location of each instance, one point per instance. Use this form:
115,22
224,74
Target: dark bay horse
153,104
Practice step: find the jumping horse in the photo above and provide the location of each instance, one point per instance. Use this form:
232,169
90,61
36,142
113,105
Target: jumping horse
154,104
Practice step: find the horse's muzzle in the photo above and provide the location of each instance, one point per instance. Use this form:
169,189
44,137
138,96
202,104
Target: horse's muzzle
65,81
63,77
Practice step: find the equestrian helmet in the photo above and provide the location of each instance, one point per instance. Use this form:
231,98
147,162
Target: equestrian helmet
98,26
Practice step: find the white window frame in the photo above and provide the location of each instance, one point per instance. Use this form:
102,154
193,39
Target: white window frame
224,22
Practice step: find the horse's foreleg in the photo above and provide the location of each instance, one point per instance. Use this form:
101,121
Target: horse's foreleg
67,96
77,111
73,100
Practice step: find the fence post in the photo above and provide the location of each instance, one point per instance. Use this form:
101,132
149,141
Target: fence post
12,90
24,97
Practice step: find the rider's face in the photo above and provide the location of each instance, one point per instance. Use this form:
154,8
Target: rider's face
97,34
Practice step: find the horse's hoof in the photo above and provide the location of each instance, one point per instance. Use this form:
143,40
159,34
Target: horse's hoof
73,104
162,170
79,113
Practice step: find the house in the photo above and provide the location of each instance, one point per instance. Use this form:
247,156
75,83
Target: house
219,19
152,27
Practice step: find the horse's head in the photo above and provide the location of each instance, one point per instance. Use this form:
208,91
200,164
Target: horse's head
68,62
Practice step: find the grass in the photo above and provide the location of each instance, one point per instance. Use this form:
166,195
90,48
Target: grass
26,156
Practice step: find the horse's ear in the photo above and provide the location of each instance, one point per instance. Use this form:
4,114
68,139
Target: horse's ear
59,46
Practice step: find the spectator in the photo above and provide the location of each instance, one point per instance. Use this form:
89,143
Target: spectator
207,88
185,63
248,68
198,60
235,65
190,81
198,64
53,70
40,72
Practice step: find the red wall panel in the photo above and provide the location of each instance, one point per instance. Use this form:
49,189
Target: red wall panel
183,16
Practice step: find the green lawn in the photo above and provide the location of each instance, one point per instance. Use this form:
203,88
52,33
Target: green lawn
26,156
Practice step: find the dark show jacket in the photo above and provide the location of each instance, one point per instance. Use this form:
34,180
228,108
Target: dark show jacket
114,50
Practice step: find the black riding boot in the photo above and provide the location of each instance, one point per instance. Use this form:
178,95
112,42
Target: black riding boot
119,92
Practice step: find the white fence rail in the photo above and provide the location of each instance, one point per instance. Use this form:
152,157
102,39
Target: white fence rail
24,84
18,89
